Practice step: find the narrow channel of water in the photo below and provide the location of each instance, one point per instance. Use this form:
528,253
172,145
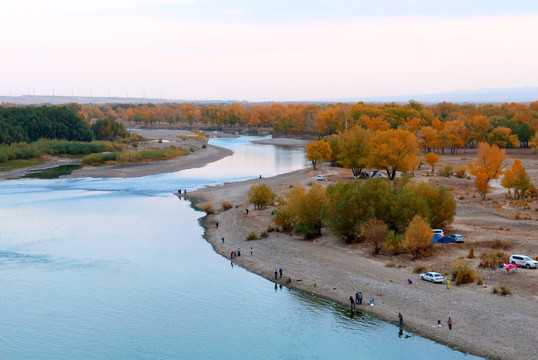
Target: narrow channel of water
118,269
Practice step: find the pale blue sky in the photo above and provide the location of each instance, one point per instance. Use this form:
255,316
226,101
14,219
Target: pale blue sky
265,50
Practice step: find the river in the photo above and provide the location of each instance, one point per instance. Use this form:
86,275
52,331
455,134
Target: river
118,269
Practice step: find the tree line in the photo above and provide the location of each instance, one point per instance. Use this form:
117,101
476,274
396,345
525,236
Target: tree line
441,126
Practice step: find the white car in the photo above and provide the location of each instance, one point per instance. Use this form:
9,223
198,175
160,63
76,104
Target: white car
457,238
524,260
432,277
320,178
438,231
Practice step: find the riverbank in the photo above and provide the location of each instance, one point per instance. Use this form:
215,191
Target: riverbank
483,323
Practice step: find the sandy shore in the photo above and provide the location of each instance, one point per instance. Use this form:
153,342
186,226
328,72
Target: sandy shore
483,323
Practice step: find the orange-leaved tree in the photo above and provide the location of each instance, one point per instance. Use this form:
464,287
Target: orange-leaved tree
488,165
431,158
517,178
318,151
394,150
482,182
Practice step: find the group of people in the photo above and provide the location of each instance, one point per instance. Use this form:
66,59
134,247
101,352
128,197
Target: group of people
357,300
448,322
280,272
235,254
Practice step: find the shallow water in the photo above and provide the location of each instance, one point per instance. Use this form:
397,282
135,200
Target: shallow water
118,268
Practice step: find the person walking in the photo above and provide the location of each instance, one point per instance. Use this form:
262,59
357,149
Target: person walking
280,271
217,224
351,302
222,240
449,323
400,318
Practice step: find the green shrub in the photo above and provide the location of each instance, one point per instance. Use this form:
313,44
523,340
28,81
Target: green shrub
394,243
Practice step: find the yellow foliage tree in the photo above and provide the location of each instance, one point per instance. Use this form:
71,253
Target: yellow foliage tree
503,137
490,161
260,195
304,210
417,238
354,147
318,151
517,178
394,150
482,181
432,159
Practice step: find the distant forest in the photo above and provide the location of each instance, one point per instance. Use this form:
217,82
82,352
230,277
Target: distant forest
439,126
28,124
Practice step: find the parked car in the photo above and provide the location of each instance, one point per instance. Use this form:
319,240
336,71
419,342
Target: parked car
320,178
379,175
438,232
524,260
432,277
457,238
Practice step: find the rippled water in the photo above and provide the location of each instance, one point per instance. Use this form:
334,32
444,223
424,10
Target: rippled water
118,269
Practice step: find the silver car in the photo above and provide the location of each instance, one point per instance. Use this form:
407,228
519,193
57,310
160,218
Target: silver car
432,277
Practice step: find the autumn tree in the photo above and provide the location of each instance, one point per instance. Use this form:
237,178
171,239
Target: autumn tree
489,163
374,232
517,178
318,151
503,138
393,150
304,210
354,147
534,143
333,141
432,159
260,195
417,238
482,181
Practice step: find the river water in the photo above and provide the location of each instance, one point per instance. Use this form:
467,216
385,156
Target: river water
118,269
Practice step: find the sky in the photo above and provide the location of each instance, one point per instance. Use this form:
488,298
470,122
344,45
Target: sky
274,50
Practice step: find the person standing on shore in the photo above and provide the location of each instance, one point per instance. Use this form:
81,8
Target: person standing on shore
222,240
359,298
217,224
400,318
449,323
351,302
276,273
280,271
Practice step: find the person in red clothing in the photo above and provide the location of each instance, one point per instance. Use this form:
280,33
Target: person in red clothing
449,322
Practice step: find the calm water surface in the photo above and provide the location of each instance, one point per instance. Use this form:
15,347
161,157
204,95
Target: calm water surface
118,269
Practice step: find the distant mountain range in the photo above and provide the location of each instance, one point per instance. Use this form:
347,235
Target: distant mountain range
521,95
